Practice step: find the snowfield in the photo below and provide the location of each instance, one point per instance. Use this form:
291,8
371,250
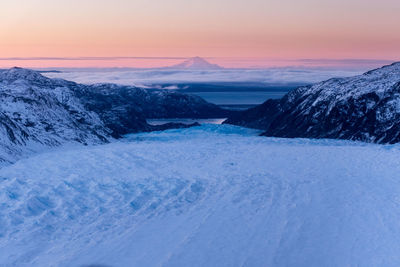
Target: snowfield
215,195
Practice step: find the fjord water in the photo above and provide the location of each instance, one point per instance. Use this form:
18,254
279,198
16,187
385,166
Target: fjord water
214,195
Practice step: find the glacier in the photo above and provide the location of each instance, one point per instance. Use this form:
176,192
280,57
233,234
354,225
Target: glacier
213,195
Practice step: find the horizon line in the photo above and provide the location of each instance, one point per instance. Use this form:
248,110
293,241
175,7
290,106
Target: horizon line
310,60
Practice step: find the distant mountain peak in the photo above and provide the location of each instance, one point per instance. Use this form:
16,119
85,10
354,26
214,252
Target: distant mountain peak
196,63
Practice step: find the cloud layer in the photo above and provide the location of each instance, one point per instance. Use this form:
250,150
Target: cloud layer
143,77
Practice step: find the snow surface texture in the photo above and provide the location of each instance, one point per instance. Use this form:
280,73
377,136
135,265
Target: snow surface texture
215,195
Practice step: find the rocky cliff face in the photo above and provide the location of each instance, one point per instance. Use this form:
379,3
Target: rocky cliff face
364,107
38,112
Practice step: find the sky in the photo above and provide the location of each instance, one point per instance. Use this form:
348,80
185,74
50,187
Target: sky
232,33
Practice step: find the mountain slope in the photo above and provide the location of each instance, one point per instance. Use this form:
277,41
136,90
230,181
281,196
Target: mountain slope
364,107
124,109
38,112
258,117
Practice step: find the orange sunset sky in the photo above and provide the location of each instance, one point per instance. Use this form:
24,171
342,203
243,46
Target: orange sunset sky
47,33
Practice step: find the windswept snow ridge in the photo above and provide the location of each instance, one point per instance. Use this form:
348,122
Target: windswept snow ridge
204,196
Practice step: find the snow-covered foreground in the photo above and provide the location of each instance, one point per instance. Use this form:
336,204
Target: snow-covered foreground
213,195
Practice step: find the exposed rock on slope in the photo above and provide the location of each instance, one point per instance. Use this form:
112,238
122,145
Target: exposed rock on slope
364,107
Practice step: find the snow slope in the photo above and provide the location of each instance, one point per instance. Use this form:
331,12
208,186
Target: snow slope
205,196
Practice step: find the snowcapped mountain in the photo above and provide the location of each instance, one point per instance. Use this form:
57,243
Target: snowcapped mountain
364,107
196,63
38,112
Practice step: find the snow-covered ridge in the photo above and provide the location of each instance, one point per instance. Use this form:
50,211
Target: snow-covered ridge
16,73
364,107
378,81
38,112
